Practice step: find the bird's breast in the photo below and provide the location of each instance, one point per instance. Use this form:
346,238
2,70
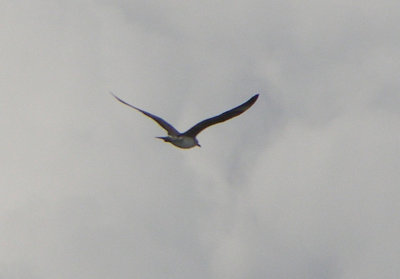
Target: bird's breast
184,142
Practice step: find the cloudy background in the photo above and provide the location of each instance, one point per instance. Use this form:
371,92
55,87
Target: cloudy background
306,184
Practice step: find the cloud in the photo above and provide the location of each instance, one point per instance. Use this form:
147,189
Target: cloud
303,185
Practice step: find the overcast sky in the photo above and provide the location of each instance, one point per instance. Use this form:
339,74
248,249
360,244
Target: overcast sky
305,184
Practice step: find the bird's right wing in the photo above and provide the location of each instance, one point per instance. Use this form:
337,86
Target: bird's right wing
168,127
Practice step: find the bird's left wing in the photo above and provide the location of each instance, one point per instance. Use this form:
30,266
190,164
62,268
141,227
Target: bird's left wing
192,132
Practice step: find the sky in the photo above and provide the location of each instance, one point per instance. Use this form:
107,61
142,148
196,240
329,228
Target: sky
305,184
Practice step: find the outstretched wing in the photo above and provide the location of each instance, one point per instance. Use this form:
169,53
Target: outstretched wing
192,132
170,129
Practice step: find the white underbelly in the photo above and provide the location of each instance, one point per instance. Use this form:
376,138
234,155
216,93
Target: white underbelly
184,142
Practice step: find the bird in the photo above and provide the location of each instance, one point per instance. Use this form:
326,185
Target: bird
188,139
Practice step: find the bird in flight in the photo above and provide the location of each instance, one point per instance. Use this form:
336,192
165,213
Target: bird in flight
188,139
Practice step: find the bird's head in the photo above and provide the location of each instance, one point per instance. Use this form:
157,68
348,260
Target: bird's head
197,142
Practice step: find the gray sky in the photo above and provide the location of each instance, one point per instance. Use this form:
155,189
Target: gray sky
303,185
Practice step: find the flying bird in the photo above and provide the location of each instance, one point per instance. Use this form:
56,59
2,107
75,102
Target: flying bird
188,139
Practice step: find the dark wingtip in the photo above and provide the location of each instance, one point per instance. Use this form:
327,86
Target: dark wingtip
115,96
252,100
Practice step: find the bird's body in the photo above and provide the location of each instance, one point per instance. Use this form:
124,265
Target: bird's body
188,139
181,141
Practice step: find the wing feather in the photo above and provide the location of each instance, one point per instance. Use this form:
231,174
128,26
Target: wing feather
164,124
192,132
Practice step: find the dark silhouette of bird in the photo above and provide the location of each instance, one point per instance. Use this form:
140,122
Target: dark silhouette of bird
188,139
